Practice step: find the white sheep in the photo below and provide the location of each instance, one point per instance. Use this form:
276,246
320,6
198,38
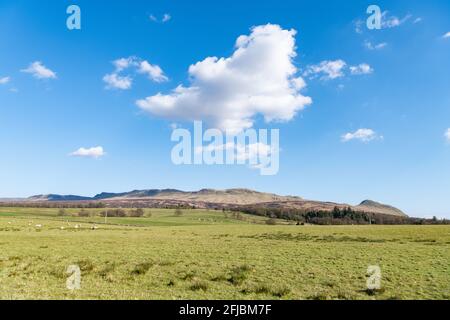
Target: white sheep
38,226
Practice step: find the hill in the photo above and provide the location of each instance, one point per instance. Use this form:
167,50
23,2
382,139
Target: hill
211,198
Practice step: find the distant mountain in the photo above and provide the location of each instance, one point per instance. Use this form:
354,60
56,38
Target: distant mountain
372,206
230,196
57,197
207,198
136,194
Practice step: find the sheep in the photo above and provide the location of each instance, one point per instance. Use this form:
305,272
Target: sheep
94,227
38,226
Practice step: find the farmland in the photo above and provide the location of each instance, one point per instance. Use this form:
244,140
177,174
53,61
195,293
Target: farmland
203,254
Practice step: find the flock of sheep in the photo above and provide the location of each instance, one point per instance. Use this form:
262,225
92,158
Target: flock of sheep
40,226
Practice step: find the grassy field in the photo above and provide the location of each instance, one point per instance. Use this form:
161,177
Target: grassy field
210,255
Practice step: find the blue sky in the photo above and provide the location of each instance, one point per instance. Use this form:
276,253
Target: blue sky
393,87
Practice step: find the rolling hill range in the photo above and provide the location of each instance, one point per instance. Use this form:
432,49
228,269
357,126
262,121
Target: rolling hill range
210,198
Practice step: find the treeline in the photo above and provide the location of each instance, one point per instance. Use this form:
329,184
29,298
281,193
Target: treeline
136,213
338,216
95,205
54,204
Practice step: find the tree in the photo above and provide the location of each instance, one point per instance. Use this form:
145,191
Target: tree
137,213
83,213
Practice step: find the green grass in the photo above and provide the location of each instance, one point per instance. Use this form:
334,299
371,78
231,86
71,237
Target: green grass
159,217
205,255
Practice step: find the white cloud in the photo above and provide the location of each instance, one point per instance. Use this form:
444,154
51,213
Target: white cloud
227,93
4,80
39,71
165,18
249,153
123,63
364,135
359,24
329,69
371,46
335,69
114,81
446,36
95,152
388,22
363,68
154,72
447,134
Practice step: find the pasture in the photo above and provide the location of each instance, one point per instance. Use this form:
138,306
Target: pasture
212,255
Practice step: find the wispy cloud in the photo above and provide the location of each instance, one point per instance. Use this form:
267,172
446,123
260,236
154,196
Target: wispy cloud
115,80
362,68
374,46
39,71
154,72
329,70
364,135
4,80
94,152
165,18
244,153
388,21
447,135
446,36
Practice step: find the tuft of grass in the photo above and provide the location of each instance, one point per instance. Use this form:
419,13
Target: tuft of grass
106,272
280,291
276,291
58,272
220,277
239,274
86,265
374,292
188,275
197,285
171,283
141,268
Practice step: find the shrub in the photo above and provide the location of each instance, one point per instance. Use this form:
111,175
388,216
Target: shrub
271,222
83,213
178,212
137,213
113,213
